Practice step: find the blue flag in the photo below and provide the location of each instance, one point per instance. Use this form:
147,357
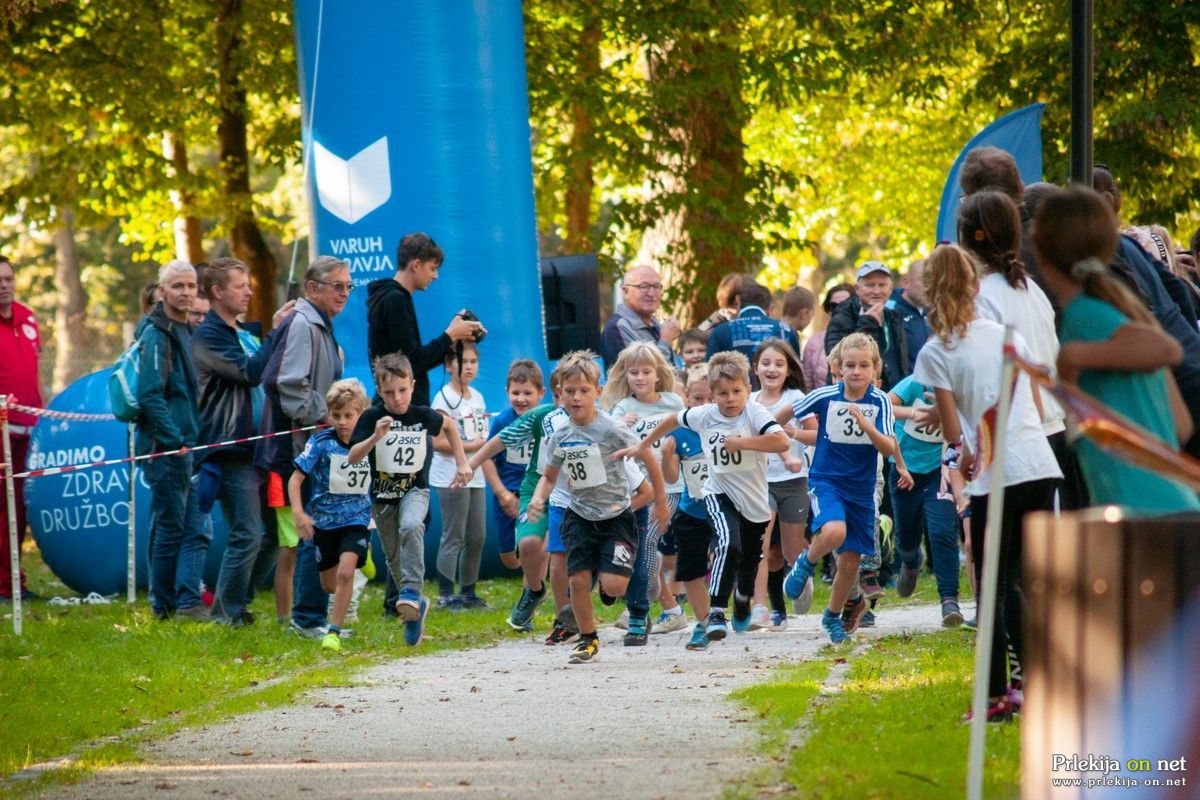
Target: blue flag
1019,133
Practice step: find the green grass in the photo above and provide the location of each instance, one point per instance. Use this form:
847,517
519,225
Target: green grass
891,732
95,681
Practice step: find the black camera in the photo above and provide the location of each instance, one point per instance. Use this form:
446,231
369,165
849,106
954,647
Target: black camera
469,315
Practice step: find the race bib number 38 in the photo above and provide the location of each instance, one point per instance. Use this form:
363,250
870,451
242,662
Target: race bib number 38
401,452
721,460
347,478
584,466
841,426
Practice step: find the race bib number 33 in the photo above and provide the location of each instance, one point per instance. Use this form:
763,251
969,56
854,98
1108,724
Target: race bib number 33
584,466
841,426
401,452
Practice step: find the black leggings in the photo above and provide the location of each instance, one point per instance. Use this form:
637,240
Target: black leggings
737,550
1019,500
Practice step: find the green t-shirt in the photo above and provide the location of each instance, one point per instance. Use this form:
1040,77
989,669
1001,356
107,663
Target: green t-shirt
1138,396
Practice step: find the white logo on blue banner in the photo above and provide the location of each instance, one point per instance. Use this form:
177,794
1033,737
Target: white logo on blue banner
354,187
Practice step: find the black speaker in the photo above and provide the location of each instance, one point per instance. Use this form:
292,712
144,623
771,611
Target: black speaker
571,298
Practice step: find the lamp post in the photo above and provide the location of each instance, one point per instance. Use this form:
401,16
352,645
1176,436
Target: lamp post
1082,67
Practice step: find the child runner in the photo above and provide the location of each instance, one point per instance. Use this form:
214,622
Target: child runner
963,364
395,436
736,434
779,374
339,509
854,426
681,452
640,393
525,388
464,526
1112,346
598,528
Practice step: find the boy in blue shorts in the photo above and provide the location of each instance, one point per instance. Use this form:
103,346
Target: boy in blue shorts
855,425
598,528
336,516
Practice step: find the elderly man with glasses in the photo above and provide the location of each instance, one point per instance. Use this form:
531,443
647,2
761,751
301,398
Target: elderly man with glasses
634,320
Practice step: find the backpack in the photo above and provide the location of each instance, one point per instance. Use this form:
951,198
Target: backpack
123,381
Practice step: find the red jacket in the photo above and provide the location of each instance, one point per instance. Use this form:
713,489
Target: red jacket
20,345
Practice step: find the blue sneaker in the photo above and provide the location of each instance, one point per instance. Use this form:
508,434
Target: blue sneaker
639,628
778,620
802,571
715,629
414,630
832,623
741,612
699,640
408,605
521,618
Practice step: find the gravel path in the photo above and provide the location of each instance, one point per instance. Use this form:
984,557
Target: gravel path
512,720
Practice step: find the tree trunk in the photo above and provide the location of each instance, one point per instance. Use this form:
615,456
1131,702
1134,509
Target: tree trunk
245,237
580,177
71,303
189,244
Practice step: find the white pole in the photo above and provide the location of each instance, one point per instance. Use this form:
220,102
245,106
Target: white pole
131,563
986,606
14,549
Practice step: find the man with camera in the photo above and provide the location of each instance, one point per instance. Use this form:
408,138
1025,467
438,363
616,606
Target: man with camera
392,319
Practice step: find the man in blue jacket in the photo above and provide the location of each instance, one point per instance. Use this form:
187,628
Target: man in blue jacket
229,364
167,395
752,325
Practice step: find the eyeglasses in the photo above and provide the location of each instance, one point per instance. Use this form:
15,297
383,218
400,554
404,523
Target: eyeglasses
645,287
337,287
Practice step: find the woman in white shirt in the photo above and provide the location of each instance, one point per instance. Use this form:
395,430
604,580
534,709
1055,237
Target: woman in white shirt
962,362
989,227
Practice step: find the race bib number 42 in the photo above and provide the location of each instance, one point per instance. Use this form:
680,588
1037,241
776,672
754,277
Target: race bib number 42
401,452
841,426
347,478
721,460
584,466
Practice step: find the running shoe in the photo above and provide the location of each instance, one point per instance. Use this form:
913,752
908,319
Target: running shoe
852,613
472,602
869,582
559,634
760,617
906,584
446,602
669,623
716,627
414,630
639,629
315,632
951,614
408,606
521,617
586,651
801,573
331,641
803,603
699,640
868,620
623,620
778,620
741,612
832,624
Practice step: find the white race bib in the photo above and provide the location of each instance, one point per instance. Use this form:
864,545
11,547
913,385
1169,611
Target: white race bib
520,454
401,452
721,460
695,473
920,432
842,428
347,478
556,422
584,466
474,426
644,427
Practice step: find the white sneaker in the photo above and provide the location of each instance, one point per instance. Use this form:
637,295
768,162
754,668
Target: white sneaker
667,622
760,617
623,620
803,603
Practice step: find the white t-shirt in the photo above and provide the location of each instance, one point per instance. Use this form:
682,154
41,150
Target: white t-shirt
776,469
649,415
970,368
741,476
468,412
1029,311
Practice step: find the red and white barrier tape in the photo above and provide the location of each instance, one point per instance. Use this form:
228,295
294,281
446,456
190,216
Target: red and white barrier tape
70,416
38,473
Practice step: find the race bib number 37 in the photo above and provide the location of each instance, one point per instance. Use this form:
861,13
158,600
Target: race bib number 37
841,426
584,466
721,460
347,478
401,452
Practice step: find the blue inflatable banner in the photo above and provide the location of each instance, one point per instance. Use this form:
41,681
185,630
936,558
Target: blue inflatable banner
1019,133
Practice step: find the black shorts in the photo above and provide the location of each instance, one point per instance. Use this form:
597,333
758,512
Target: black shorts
607,545
331,544
666,545
693,538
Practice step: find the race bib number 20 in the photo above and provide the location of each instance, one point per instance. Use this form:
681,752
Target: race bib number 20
401,452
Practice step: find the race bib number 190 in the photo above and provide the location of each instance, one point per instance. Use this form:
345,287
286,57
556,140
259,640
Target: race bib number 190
584,466
401,452
347,478
841,426
721,460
